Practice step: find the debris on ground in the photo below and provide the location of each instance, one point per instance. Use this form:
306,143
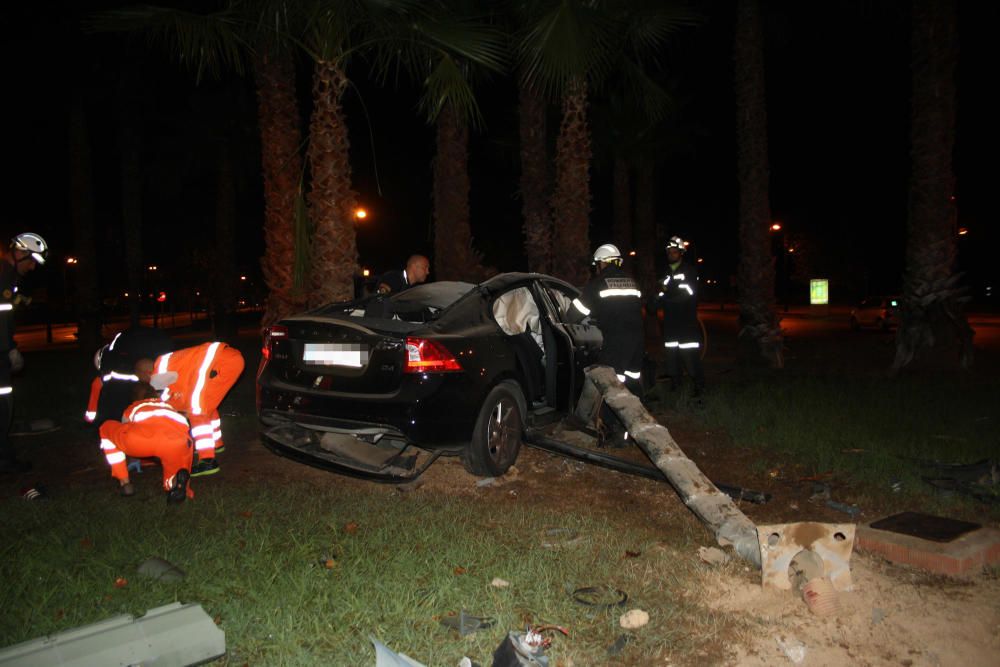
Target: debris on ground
852,510
633,618
160,569
466,623
386,657
820,597
793,649
713,555
499,583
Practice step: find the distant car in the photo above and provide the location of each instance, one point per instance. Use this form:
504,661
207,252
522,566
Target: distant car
881,312
446,367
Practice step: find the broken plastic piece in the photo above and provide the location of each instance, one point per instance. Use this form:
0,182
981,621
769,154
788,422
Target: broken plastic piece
466,624
386,657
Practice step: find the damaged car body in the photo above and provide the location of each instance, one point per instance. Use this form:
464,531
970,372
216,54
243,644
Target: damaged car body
378,388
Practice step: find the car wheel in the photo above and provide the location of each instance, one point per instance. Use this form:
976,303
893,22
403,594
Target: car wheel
496,439
855,325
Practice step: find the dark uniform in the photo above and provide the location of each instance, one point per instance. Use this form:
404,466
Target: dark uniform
9,298
395,280
678,299
613,299
118,368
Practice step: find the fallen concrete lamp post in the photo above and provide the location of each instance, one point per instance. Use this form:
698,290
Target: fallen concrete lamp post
174,635
787,554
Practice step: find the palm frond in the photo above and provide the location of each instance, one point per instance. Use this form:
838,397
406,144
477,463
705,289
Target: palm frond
447,84
209,44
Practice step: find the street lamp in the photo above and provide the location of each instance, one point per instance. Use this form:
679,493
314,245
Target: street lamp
360,213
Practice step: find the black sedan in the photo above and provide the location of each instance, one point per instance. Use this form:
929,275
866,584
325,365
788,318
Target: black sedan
379,387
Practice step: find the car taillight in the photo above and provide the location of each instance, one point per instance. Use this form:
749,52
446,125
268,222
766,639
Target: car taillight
428,356
272,334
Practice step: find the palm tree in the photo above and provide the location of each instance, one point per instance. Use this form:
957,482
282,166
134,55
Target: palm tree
221,41
759,321
932,324
87,295
536,176
569,49
445,46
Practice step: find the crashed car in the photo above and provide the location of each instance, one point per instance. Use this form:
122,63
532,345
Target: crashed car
380,387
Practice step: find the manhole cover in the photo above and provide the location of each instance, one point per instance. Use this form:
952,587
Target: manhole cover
925,526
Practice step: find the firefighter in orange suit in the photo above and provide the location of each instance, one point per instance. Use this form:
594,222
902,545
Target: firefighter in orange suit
150,427
195,380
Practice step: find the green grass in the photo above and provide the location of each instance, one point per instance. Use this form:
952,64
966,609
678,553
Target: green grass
897,423
255,560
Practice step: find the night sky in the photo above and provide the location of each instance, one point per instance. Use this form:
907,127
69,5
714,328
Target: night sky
837,88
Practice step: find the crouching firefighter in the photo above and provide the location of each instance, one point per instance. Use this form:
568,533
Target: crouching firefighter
150,428
194,381
613,301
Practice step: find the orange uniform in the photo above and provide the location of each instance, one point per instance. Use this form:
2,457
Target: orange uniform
205,373
151,428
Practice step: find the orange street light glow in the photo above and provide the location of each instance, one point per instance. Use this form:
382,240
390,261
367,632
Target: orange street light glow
631,253
701,259
360,213
776,227
962,231
366,273
71,260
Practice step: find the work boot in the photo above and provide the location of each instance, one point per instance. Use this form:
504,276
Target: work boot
205,467
126,490
178,492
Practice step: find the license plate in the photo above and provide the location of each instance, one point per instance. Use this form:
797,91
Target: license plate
351,355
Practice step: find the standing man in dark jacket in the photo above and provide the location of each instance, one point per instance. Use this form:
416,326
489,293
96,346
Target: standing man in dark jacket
26,252
417,269
678,299
613,299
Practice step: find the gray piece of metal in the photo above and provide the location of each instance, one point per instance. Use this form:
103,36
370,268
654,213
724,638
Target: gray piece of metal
174,635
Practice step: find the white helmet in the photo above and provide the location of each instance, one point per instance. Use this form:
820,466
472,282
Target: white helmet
33,244
677,242
607,253
98,356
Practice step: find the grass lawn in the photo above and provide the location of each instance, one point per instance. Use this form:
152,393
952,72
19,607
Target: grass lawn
301,568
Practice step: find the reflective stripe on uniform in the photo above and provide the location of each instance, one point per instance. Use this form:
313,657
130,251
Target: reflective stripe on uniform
672,343
666,281
90,415
686,288
678,276
621,378
114,340
160,412
115,457
206,365
164,361
605,293
6,390
201,430
120,376
579,306
6,306
635,375
689,346
107,444
204,443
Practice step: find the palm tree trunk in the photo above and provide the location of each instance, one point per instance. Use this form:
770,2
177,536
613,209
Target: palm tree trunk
454,255
759,321
571,199
646,244
280,139
621,197
933,326
86,291
535,180
131,167
331,197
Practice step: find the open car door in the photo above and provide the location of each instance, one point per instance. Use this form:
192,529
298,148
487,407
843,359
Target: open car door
570,346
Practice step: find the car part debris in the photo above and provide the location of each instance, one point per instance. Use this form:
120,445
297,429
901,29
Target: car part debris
633,619
172,635
793,553
386,657
553,538
466,624
793,649
853,510
525,649
161,570
600,596
820,597
713,555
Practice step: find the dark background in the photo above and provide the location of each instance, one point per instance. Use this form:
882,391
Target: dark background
838,84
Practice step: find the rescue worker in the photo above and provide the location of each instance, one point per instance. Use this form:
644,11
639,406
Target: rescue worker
27,252
113,388
150,427
194,381
678,299
614,301
417,269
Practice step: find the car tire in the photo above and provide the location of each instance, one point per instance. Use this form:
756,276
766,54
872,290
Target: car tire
496,438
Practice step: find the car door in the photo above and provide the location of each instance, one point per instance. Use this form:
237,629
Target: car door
577,344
